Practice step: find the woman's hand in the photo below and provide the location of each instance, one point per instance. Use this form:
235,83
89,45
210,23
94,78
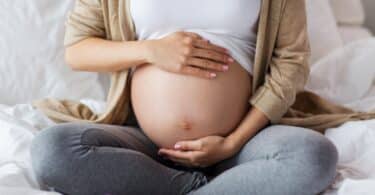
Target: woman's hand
188,53
203,152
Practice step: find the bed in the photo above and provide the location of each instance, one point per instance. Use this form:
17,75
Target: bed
32,67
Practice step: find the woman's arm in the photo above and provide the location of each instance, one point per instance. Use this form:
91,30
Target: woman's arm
254,121
88,49
289,70
99,55
179,52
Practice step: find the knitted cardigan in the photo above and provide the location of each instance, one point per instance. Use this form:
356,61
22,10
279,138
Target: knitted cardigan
280,69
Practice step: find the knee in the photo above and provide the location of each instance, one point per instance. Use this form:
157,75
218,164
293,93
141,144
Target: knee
49,152
320,156
320,161
314,156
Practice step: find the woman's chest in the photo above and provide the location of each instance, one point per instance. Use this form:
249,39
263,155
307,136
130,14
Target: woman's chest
237,16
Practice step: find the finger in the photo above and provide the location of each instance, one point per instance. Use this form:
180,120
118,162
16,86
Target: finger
207,45
192,160
198,72
194,35
187,155
189,145
206,64
212,55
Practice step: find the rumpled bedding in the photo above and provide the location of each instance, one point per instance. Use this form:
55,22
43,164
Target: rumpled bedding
346,76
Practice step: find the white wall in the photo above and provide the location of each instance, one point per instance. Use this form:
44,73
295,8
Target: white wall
370,13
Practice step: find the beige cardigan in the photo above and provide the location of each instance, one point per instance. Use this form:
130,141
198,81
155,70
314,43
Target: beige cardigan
280,69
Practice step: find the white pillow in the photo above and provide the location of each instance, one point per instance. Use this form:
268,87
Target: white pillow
350,33
32,56
323,31
349,11
346,75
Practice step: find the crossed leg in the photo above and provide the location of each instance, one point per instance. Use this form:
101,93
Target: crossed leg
90,159
279,160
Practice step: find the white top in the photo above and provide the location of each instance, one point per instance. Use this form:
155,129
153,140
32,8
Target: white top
231,24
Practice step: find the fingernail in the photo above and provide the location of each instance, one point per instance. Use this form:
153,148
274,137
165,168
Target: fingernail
230,59
212,75
177,146
226,67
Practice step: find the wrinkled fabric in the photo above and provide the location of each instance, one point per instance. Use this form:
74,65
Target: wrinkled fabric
280,69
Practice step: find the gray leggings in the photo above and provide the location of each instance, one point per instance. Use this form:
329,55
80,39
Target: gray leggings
98,159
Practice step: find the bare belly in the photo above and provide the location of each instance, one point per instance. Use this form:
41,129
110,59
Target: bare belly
173,107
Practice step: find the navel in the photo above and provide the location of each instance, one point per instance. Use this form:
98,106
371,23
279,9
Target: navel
186,125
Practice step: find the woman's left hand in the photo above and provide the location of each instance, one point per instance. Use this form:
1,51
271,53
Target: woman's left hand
202,152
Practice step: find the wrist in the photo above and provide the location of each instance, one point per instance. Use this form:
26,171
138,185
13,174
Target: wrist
231,145
237,139
148,48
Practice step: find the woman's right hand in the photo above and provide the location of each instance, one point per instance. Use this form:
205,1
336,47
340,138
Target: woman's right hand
188,53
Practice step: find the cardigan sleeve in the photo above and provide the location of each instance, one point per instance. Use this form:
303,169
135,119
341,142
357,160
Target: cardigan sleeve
289,67
84,21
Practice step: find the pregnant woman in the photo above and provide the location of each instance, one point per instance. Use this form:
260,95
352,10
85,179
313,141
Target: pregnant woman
195,125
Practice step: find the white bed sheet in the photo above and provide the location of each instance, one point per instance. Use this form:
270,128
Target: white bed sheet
18,126
354,140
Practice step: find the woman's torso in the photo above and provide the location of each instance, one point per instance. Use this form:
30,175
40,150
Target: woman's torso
172,107
230,24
